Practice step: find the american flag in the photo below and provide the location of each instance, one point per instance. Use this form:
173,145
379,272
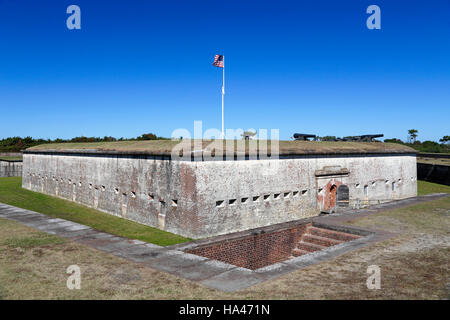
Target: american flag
218,61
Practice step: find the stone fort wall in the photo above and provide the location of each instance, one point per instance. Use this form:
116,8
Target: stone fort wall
10,168
198,199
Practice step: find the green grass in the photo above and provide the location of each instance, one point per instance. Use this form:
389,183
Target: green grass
11,158
12,193
424,187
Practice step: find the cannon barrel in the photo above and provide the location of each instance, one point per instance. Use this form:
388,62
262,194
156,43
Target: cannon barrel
363,138
303,136
373,136
370,137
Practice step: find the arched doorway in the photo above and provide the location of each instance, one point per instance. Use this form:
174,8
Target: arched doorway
332,196
343,196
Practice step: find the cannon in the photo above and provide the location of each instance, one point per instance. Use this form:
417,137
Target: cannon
363,138
304,136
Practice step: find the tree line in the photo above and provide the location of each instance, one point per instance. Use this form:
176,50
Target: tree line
425,146
17,144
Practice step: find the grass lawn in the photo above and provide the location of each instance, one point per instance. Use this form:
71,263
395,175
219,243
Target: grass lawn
424,187
12,193
285,147
11,158
438,161
414,265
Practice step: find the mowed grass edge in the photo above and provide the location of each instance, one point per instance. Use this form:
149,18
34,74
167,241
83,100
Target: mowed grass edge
12,193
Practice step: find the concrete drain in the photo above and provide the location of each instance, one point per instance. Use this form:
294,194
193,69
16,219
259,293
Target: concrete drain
260,248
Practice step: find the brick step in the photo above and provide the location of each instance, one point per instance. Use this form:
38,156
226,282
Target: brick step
310,247
336,235
322,241
299,252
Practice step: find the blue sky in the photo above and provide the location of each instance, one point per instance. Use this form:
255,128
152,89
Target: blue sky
299,66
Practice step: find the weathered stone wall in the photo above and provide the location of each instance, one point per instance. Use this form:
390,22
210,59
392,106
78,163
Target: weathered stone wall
142,189
237,195
201,199
10,168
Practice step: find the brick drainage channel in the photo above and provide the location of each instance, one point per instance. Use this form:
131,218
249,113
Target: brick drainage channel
206,271
258,248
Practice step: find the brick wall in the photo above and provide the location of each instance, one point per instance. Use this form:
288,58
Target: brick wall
254,251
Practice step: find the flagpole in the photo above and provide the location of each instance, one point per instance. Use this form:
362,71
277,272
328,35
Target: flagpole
223,98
